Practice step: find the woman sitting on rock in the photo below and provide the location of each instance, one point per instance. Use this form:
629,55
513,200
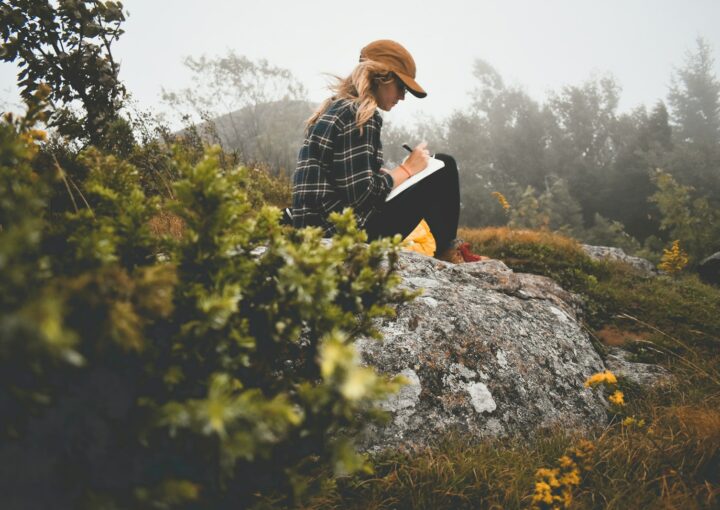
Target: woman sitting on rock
341,165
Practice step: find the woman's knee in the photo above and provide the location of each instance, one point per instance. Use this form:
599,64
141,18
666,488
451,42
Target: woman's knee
448,160
449,173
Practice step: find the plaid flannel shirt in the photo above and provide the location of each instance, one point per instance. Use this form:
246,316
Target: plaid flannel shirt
338,167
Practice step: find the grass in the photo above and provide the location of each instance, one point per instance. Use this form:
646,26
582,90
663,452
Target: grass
681,306
671,461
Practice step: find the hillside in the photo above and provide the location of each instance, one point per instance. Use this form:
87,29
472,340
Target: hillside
660,448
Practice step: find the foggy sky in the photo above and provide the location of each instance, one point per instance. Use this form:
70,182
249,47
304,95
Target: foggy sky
538,45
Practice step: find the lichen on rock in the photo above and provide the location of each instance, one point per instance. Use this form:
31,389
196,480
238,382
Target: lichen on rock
486,351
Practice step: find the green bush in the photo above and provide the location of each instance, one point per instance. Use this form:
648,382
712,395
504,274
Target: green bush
214,369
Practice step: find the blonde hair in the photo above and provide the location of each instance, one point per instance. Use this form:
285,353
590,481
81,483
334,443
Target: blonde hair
359,87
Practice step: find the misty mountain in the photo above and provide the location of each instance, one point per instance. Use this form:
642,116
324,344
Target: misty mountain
269,132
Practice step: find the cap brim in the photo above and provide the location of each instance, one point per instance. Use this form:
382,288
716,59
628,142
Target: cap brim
413,87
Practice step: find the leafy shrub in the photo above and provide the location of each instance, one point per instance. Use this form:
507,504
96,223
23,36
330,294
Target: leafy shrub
212,368
694,222
673,259
605,232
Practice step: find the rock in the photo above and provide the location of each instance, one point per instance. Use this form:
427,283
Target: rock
486,351
617,254
645,374
709,269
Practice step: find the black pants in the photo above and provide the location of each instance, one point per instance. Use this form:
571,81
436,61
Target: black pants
435,198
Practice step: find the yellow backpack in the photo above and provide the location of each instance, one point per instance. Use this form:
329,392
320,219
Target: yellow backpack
421,240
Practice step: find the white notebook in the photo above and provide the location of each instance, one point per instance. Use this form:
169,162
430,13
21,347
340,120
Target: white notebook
433,166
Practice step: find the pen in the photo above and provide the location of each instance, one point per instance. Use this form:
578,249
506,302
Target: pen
409,149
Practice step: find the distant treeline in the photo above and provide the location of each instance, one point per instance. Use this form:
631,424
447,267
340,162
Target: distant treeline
574,163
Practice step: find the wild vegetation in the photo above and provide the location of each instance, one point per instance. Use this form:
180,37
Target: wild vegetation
661,447
164,343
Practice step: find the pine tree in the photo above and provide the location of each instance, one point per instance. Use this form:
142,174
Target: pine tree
695,98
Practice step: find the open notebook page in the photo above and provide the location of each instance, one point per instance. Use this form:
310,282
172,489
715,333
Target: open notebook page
433,166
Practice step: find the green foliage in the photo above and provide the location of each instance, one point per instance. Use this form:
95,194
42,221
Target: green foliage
641,142
265,188
693,222
67,45
553,209
211,369
606,232
526,213
683,308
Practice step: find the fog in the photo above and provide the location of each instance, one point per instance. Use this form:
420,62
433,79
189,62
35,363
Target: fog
597,120
539,46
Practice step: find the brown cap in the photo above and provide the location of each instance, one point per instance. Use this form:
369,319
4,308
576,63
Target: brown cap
398,60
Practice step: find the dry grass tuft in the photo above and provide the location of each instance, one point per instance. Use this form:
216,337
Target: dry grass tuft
535,251
613,336
495,237
696,422
167,224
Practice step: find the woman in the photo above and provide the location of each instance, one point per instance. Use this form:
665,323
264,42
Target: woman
340,162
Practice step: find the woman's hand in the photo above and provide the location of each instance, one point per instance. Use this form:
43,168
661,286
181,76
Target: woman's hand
418,159
416,162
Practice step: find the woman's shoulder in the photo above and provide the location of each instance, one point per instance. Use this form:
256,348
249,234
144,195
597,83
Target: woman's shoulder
336,116
340,116
346,111
342,108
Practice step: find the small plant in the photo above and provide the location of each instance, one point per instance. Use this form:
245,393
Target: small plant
673,260
501,200
554,487
608,380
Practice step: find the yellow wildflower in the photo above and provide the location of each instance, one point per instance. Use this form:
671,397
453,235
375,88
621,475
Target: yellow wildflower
501,199
567,498
543,494
606,377
617,398
582,454
37,135
554,487
674,259
550,475
571,478
630,421
566,462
